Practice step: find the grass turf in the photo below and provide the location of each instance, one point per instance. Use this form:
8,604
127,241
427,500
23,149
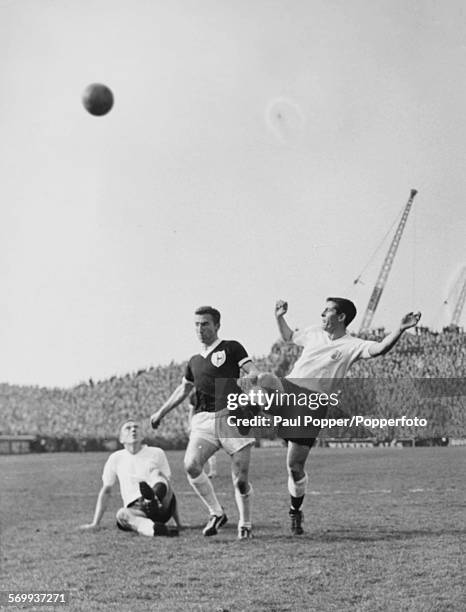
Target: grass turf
385,530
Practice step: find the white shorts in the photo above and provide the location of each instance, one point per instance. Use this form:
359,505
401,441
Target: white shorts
211,425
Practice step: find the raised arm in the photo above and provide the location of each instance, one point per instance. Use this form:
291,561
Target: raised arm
179,394
100,507
285,330
381,348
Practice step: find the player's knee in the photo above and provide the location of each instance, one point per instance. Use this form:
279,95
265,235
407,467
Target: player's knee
157,476
122,518
121,514
241,483
296,472
193,468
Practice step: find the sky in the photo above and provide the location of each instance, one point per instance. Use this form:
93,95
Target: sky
256,150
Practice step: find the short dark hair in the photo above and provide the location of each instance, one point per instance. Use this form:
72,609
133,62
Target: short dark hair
209,310
345,307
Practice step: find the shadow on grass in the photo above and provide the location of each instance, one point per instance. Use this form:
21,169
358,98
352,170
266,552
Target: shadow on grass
200,526
363,536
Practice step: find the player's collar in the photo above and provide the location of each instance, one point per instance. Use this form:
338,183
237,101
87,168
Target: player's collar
143,446
345,335
210,348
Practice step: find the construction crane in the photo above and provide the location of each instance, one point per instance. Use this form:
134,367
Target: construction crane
455,320
386,267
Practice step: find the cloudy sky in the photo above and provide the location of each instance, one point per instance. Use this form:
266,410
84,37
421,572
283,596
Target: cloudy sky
257,149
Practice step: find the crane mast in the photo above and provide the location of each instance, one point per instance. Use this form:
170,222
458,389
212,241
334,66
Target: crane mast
455,320
386,267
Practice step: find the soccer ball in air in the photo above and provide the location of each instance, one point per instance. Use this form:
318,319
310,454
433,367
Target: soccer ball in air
97,99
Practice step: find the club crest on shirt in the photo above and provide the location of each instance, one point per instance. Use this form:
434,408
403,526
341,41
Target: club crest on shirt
335,355
218,358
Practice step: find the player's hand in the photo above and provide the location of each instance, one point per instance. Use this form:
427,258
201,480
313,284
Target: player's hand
89,527
410,320
246,383
155,420
281,308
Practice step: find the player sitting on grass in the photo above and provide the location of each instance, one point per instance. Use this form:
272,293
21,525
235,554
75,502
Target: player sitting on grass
144,476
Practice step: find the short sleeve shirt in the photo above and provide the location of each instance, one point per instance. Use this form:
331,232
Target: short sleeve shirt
214,374
132,469
325,359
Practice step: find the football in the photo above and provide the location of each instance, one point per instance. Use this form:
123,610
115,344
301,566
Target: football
97,99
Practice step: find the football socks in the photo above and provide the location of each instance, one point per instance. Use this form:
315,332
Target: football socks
203,487
244,502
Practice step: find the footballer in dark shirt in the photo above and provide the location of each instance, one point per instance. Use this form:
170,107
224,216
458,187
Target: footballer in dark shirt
213,373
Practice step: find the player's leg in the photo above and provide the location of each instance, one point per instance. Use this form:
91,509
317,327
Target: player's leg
197,453
298,451
175,514
211,466
243,489
238,446
135,519
161,500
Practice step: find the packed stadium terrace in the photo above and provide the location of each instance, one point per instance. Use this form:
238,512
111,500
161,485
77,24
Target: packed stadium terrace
94,410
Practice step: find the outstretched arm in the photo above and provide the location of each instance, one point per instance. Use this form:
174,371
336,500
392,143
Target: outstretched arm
179,394
100,507
285,330
385,345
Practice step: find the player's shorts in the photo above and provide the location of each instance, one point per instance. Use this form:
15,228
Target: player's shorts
212,427
141,507
302,435
301,441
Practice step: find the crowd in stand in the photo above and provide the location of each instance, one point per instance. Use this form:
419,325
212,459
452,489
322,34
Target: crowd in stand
94,410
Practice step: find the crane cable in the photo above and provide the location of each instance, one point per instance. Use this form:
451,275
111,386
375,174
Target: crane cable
414,256
371,259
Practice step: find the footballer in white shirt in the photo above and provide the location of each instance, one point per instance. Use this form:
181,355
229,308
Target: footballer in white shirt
144,477
328,353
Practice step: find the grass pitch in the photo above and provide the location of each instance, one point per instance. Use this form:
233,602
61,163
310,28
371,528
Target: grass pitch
385,530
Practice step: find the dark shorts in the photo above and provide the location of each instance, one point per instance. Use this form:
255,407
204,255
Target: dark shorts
303,435
301,441
158,516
